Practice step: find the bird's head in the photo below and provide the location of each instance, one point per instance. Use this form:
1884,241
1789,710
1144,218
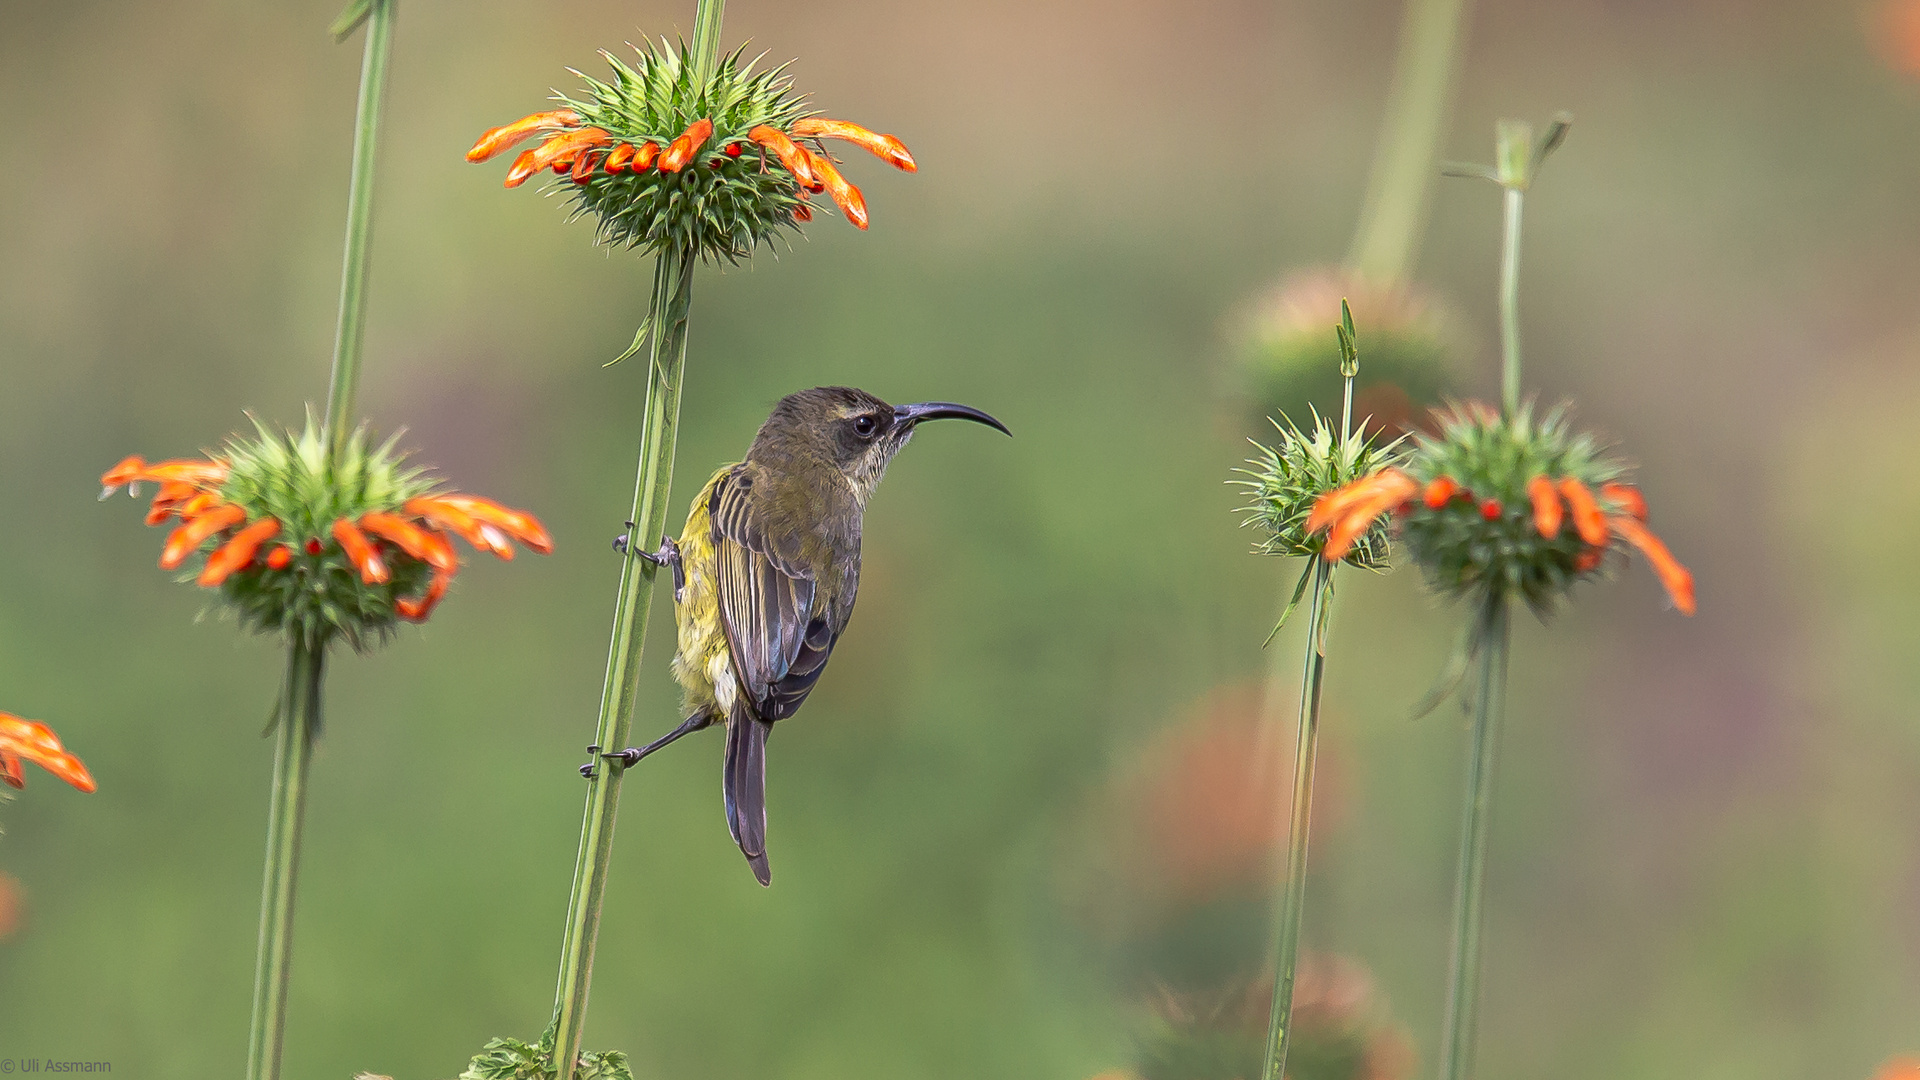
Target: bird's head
850,431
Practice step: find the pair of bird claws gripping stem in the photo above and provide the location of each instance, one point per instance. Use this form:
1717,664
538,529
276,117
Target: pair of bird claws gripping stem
667,556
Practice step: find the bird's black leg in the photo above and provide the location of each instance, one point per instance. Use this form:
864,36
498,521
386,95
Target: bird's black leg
669,556
631,756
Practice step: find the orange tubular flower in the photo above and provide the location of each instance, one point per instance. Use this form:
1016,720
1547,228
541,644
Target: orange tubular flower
34,741
566,145
1587,518
885,147
428,547
237,552
521,527
1381,492
1677,579
373,569
845,195
280,557
414,610
484,536
131,471
790,153
1546,506
681,152
644,157
186,539
1440,490
618,157
497,140
1629,499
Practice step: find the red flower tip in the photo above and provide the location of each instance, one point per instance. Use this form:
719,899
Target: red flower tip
279,557
733,149
1439,490
314,546
1491,509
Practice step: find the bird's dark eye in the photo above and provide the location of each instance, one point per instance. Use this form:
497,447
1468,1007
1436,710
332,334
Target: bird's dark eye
863,426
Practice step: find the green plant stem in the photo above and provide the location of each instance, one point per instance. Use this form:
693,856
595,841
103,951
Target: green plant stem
299,709
1293,898
1489,708
672,298
706,38
298,721
352,328
1510,305
1398,187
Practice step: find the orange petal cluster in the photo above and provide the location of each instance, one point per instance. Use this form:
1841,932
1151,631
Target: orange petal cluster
579,151
31,740
190,490
1347,512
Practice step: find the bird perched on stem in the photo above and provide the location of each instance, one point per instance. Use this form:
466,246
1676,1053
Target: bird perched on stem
765,573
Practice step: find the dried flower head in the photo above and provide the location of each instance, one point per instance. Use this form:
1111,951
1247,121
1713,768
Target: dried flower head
1413,343
31,740
716,168
1342,1029
316,544
1498,506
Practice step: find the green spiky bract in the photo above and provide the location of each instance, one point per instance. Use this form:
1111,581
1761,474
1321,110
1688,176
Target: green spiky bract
516,1059
1289,477
293,478
720,207
1465,554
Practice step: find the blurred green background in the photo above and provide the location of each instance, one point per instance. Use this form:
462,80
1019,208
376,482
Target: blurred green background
1705,860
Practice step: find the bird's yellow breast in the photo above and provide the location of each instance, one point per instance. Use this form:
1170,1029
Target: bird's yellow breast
702,665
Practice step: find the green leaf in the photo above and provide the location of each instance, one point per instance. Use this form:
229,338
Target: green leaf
1556,134
1299,591
1453,673
356,13
639,339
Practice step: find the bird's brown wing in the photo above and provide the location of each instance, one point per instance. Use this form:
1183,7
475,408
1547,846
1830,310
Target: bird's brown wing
777,627
779,641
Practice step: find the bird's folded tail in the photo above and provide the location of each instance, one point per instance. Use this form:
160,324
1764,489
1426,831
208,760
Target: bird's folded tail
745,782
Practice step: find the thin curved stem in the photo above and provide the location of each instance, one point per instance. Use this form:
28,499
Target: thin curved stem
1293,899
299,722
1387,240
672,300
1510,305
1489,709
352,328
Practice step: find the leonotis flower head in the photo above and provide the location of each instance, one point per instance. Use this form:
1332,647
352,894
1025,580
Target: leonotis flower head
319,544
673,166
1500,507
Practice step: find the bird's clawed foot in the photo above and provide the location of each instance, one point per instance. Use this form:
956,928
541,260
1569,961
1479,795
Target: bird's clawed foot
668,556
631,756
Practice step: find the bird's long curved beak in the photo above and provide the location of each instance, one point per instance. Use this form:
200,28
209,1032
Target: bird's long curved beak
944,410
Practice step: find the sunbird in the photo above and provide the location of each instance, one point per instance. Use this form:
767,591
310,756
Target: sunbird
765,574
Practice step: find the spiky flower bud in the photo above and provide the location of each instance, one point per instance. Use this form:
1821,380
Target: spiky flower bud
714,168
317,544
1505,506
